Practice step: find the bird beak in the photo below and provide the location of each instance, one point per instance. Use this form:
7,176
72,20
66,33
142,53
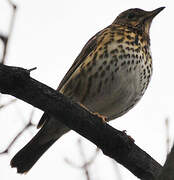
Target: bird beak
147,19
152,14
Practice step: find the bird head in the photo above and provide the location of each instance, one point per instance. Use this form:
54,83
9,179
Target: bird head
137,18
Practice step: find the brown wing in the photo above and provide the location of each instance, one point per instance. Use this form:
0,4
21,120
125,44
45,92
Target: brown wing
89,46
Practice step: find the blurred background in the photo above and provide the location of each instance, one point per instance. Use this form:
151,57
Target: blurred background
49,35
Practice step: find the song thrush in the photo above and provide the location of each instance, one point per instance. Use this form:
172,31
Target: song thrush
108,77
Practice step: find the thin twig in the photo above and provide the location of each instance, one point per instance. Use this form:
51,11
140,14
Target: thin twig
86,163
8,103
5,39
167,136
28,125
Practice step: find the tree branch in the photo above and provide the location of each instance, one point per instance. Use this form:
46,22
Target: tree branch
167,172
114,143
28,125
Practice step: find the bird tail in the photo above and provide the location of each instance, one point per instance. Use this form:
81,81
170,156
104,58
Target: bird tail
30,153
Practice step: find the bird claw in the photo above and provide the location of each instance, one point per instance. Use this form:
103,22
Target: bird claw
104,118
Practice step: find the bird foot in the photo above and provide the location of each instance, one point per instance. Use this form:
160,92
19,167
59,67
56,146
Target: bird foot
104,118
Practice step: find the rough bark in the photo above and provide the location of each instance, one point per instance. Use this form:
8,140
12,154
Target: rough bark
114,143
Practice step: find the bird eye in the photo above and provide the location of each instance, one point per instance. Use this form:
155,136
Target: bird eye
131,15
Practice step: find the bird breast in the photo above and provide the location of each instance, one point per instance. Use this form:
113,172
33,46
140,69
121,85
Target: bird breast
115,80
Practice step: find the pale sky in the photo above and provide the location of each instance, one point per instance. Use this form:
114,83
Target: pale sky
49,35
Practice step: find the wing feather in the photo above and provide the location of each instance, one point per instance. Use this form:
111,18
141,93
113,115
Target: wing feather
87,49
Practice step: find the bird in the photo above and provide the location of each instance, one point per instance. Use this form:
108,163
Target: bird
108,77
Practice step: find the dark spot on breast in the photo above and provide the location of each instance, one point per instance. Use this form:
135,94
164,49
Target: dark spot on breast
88,63
137,50
112,76
128,62
136,40
106,80
101,56
127,48
132,61
120,46
99,87
94,62
107,67
100,41
121,33
116,69
123,63
120,57
96,75
100,68
106,54
133,55
127,42
132,49
114,51
122,51
115,58
129,37
125,56
112,39
89,69
95,56
104,62
102,74
132,43
100,49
